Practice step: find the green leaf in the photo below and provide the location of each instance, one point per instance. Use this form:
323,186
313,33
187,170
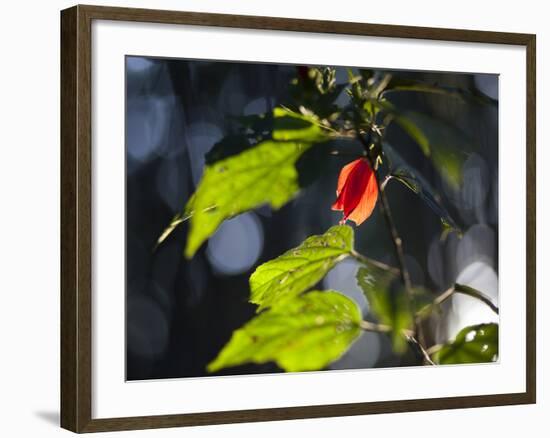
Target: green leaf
442,143
397,85
388,301
300,268
289,125
400,84
414,181
301,334
474,344
282,125
263,174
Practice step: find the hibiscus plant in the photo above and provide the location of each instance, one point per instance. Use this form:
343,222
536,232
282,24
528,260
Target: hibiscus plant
295,326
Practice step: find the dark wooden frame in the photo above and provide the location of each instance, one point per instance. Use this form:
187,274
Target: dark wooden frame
76,243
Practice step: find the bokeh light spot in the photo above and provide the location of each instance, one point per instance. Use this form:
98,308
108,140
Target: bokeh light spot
237,244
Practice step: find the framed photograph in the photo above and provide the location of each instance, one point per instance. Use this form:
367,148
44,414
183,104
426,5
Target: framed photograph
268,218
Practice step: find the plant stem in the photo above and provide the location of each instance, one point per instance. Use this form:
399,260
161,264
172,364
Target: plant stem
434,349
368,261
425,311
470,291
397,243
382,328
460,289
386,212
424,352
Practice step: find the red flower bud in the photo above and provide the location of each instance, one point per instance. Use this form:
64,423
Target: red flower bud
357,191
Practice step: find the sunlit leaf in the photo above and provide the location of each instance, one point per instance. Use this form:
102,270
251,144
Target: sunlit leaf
388,301
263,174
305,333
282,125
289,125
300,268
474,344
414,181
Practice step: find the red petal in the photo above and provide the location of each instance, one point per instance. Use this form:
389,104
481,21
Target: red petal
338,204
344,173
367,202
342,178
355,186
357,191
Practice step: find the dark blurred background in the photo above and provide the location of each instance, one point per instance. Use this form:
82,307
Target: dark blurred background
181,313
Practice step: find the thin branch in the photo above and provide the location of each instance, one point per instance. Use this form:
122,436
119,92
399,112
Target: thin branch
369,326
378,264
386,212
434,349
385,182
422,350
440,299
397,243
374,327
460,289
443,297
470,291
176,221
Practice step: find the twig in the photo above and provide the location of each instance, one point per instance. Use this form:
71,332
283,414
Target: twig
440,299
383,328
174,223
434,349
460,289
470,291
422,350
378,264
397,243
385,182
369,326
